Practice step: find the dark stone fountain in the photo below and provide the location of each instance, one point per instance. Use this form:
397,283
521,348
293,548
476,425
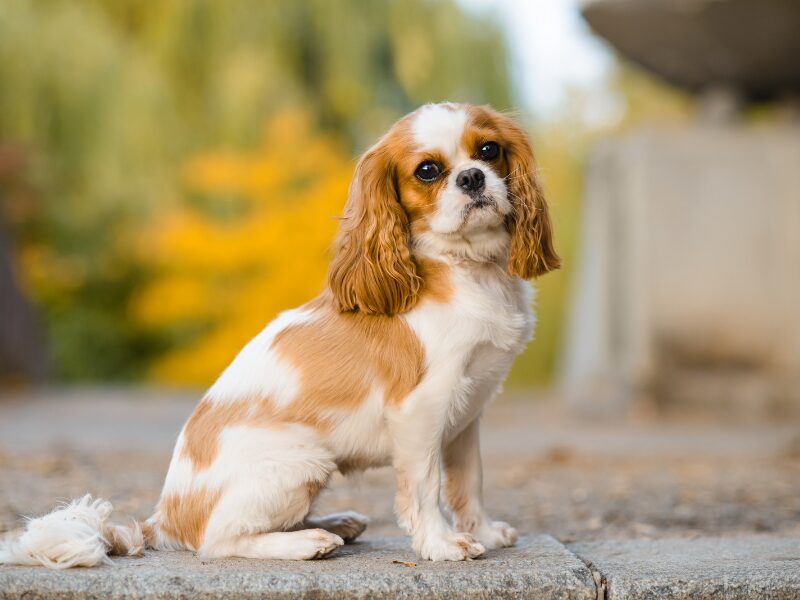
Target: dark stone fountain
751,46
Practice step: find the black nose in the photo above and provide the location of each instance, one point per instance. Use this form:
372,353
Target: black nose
471,180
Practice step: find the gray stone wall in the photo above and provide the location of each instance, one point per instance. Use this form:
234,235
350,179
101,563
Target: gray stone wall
688,288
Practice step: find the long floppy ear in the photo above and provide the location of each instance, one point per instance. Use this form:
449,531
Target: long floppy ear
531,253
372,270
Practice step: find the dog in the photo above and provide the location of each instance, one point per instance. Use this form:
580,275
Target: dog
426,307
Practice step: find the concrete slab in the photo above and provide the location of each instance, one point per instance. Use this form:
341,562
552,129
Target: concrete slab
538,567
753,567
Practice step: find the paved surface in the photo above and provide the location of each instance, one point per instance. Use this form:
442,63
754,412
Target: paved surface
539,567
756,567
719,568
545,472
642,508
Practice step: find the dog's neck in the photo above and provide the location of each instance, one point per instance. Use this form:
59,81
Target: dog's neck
487,246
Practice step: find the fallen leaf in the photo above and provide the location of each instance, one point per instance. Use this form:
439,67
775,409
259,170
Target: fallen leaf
404,563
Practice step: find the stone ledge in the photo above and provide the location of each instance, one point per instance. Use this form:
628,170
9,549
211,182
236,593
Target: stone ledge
538,567
752,567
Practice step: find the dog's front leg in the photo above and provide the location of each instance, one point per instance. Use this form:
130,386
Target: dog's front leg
464,494
417,435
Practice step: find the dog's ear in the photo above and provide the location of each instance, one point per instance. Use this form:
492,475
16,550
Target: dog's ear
531,252
372,270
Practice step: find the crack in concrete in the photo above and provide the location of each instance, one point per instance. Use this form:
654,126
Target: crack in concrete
600,580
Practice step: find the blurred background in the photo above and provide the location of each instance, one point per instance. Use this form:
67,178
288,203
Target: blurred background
156,158
170,177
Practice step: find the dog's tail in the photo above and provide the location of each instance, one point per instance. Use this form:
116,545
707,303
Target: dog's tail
77,534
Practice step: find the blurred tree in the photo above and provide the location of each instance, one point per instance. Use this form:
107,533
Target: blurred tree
22,351
252,241
354,64
83,104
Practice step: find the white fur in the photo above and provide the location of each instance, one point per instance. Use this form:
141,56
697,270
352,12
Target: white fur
262,474
469,345
257,372
264,492
439,127
361,433
72,536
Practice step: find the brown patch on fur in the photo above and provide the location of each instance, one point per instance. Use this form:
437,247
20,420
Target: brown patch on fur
354,464
455,490
403,501
184,517
419,199
313,487
124,540
339,355
149,534
531,252
436,284
460,477
202,430
372,270
116,542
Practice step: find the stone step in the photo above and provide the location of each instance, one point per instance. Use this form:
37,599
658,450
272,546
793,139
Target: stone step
538,567
763,567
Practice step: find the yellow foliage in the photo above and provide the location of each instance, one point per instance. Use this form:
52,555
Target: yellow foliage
222,278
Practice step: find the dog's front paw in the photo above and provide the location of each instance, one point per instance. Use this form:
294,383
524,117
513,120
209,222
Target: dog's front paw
496,534
451,546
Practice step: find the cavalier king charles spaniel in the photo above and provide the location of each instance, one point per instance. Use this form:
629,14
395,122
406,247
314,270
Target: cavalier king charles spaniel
426,306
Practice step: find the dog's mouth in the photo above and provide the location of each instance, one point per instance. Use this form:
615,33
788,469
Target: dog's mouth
479,203
480,211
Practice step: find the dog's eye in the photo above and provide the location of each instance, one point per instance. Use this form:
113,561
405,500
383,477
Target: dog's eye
428,171
489,151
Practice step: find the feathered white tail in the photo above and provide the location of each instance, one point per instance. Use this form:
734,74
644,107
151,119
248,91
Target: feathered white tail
75,535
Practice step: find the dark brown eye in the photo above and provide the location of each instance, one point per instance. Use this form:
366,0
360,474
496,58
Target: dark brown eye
489,151
428,171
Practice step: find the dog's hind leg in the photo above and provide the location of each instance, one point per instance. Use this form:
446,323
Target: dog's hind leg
270,477
238,530
304,544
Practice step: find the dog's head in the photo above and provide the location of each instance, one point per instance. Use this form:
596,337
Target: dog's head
446,179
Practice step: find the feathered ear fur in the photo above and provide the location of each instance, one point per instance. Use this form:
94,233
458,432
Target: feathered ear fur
531,252
372,270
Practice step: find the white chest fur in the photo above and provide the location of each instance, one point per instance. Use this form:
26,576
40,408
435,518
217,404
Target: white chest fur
471,341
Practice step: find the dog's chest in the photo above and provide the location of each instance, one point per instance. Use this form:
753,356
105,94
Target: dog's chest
486,307
471,341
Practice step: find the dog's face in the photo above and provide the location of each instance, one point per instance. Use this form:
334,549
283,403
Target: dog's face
449,179
452,172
